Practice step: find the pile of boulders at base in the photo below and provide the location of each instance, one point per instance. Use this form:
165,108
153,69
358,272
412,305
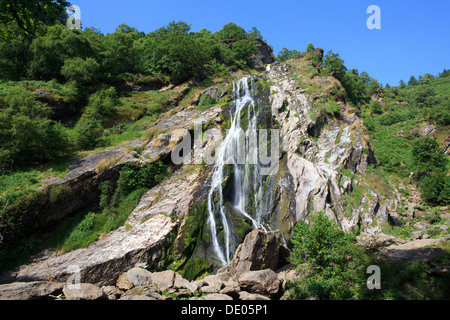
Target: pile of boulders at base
251,275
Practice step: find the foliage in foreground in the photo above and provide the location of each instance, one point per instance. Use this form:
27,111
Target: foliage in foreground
334,267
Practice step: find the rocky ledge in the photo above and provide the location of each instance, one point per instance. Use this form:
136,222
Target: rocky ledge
253,274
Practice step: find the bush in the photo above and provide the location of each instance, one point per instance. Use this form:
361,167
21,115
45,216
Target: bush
375,107
331,257
82,71
87,133
333,108
389,119
435,189
103,105
286,54
427,156
26,133
133,177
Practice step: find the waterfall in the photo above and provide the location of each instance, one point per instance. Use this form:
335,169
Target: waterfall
238,149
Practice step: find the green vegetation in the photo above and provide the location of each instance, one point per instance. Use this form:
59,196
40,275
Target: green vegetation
395,126
333,263
117,201
334,267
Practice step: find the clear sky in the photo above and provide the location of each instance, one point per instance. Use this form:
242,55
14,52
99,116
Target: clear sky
414,37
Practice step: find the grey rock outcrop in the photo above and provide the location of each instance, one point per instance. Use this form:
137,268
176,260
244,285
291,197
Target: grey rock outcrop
30,290
83,291
260,250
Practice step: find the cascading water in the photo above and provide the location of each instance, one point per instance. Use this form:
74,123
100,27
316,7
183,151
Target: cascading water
239,150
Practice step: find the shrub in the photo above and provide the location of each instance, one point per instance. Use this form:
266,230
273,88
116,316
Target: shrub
205,101
87,133
286,54
82,71
103,105
427,156
333,108
26,133
435,189
375,107
331,257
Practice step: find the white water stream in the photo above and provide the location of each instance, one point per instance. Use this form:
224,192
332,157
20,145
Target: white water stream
238,149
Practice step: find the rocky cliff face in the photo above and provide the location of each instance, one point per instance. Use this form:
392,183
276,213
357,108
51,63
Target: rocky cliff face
324,155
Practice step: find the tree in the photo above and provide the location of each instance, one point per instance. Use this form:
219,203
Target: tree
310,48
231,32
413,81
121,55
402,84
174,52
286,54
50,51
255,34
423,96
28,15
445,73
427,156
335,65
243,51
374,88
13,55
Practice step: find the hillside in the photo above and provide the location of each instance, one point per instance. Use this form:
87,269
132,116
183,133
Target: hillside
358,174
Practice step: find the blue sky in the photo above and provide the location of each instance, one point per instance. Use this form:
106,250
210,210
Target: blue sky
414,37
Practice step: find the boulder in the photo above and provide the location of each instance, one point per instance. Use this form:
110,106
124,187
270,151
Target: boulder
29,290
213,296
111,292
244,295
136,298
139,277
142,291
83,291
123,283
163,280
212,284
264,54
231,288
181,283
260,250
264,282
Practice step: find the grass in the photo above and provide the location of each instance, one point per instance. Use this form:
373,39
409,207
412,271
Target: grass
30,178
86,227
